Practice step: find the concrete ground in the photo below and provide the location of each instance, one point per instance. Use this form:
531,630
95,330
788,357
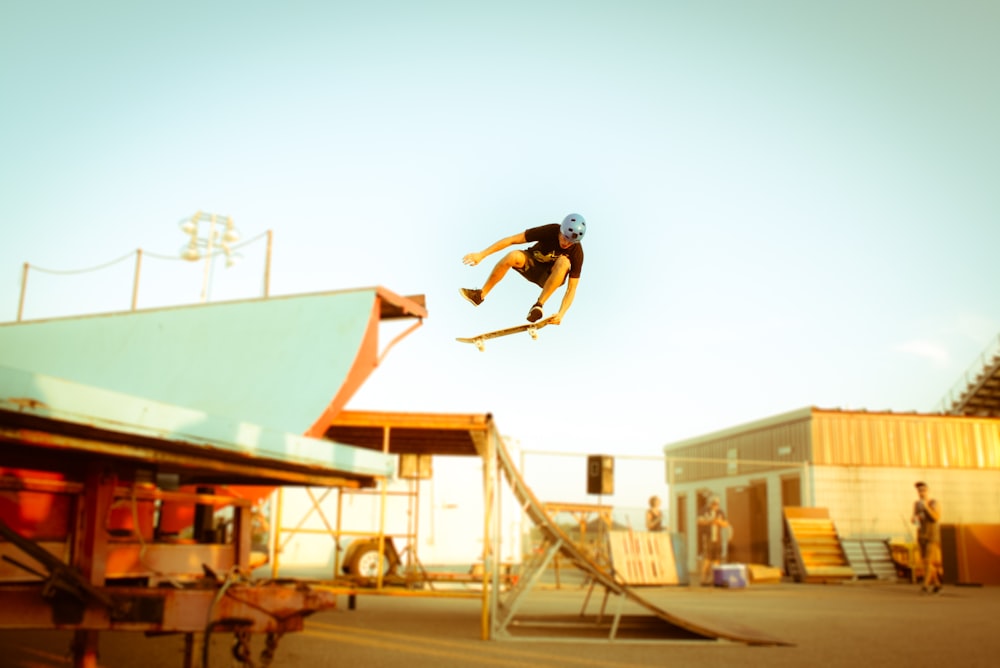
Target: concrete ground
854,624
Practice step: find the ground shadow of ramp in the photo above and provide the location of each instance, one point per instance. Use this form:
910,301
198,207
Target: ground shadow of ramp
606,624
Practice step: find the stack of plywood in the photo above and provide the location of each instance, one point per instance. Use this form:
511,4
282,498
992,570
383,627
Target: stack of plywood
643,557
815,546
762,573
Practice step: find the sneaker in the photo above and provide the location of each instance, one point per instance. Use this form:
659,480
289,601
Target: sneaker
535,313
474,297
936,590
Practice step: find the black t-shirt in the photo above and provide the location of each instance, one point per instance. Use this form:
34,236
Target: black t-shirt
547,248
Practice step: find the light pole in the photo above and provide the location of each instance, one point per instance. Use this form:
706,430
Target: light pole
205,247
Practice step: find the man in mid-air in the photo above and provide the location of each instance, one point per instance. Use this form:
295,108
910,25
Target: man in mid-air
555,255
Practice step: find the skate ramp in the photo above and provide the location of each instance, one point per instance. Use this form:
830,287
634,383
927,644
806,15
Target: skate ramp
672,625
288,363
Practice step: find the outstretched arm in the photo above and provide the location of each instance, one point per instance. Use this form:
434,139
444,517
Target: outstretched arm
472,259
567,300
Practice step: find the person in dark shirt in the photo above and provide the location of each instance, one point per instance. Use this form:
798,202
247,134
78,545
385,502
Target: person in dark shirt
555,256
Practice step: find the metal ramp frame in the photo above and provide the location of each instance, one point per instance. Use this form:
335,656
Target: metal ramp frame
605,625
611,625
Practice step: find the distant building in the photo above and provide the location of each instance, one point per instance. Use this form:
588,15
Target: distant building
858,464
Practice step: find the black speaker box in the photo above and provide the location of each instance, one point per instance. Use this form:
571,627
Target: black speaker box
600,474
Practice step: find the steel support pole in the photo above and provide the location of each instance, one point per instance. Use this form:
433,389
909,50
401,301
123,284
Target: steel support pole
135,279
24,288
267,263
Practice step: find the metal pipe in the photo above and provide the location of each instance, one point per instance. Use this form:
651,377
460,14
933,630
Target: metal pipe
208,258
135,281
384,497
277,531
267,263
489,460
24,288
337,566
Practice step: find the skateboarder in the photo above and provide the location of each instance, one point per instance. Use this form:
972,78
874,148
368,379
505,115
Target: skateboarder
555,255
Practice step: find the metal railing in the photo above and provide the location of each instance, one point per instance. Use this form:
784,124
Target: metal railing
139,254
986,360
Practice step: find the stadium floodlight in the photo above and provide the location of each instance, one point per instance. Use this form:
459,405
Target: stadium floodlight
217,241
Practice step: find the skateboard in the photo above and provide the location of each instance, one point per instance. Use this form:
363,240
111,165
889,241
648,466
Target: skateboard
531,328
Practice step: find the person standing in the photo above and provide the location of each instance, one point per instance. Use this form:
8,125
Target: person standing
710,526
654,515
927,517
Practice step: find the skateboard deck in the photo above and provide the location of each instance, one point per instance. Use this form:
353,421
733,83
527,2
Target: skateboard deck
531,328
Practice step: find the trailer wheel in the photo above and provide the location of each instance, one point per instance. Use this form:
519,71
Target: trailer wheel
364,562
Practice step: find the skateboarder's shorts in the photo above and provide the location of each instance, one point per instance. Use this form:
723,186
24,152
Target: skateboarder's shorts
534,271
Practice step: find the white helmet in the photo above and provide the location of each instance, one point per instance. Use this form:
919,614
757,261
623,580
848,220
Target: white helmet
573,227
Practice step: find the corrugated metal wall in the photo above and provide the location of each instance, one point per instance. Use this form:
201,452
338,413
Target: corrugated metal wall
911,441
767,446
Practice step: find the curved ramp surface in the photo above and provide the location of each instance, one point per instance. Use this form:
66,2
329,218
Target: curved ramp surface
288,363
557,539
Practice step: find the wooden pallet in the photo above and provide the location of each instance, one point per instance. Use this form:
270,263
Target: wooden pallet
643,557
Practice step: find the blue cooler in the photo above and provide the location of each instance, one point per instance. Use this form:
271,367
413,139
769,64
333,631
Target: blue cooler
733,576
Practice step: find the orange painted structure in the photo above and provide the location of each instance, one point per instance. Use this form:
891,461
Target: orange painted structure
122,437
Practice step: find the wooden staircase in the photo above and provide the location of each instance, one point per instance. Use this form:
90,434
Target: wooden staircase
813,551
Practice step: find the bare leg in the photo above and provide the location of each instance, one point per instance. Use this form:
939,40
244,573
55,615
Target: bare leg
513,259
934,570
706,570
556,277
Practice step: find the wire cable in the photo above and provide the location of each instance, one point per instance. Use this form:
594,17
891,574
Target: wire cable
151,254
81,271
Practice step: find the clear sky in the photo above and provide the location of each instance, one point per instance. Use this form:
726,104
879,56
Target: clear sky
789,203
